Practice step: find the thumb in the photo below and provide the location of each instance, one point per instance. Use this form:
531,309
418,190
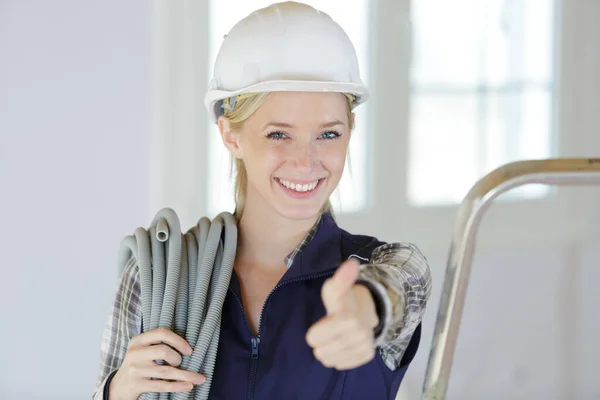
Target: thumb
336,288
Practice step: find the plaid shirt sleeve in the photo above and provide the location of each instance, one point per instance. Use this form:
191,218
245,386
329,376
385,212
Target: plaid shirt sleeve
400,277
123,323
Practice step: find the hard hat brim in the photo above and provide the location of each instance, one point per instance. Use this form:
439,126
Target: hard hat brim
214,96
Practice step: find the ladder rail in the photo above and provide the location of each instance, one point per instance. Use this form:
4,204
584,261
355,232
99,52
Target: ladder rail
556,172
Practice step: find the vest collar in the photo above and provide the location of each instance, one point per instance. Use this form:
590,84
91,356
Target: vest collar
322,254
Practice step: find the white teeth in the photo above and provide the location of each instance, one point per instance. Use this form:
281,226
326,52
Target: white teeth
298,187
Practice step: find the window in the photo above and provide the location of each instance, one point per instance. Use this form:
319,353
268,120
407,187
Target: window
351,15
482,87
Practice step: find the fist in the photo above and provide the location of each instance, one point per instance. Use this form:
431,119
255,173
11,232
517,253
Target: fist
343,339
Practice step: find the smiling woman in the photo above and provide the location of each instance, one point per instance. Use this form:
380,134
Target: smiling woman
285,134
311,311
353,16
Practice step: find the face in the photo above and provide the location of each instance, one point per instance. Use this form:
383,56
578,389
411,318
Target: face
294,150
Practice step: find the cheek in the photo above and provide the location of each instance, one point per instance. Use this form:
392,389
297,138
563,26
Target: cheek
263,161
272,158
334,158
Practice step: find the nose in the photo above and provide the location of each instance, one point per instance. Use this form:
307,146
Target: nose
304,157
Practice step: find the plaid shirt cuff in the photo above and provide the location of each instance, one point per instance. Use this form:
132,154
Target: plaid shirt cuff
383,306
103,390
400,279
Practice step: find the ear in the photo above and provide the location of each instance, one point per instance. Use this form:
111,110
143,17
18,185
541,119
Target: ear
231,139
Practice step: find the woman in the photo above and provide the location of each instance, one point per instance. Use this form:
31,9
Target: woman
312,311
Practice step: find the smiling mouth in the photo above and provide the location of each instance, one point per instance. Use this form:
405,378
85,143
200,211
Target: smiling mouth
304,187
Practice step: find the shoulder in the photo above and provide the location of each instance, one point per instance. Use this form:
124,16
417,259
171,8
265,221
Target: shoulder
131,268
358,245
129,279
371,248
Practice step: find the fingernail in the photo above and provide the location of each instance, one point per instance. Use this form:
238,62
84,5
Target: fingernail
200,380
191,387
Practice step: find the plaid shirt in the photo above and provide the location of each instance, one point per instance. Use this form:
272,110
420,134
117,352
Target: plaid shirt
397,274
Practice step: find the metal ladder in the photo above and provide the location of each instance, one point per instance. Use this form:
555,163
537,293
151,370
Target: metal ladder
560,171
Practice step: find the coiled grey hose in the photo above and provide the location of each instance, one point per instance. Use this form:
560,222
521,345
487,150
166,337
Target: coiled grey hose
184,280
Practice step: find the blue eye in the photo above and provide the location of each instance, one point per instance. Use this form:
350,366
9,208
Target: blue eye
329,135
277,135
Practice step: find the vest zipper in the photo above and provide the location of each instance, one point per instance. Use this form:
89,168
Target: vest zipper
255,340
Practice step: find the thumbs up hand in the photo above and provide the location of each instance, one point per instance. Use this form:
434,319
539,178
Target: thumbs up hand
343,339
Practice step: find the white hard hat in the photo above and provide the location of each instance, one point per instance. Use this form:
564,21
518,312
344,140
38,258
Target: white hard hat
285,47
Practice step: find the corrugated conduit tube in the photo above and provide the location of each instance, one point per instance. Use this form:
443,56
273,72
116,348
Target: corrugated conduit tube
184,280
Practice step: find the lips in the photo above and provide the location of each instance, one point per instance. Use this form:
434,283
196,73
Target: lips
299,186
300,189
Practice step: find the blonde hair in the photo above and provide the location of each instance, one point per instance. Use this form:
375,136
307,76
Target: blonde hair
243,107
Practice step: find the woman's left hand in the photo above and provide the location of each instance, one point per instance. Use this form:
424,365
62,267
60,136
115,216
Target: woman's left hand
343,339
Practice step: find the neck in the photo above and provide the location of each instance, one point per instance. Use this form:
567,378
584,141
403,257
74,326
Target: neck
266,238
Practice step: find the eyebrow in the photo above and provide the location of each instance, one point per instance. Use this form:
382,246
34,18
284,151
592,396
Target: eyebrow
276,124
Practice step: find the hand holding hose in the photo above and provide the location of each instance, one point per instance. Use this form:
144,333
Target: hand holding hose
134,376
344,338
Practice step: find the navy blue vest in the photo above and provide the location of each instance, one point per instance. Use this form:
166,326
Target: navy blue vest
278,363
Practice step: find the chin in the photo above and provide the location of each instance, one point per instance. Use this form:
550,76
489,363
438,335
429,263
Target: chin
296,212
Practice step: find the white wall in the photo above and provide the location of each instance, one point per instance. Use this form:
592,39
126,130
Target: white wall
75,119
75,133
